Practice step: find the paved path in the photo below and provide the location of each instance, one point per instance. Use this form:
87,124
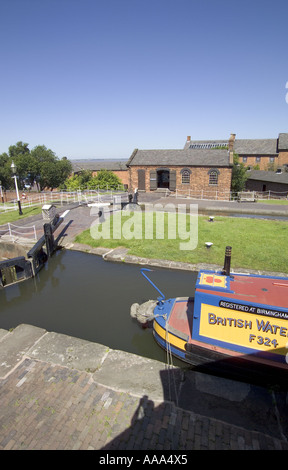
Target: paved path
58,393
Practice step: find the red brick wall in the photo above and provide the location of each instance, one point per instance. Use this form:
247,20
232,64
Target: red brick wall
283,158
263,164
199,178
123,175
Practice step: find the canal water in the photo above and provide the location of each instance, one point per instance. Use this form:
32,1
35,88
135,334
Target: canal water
81,295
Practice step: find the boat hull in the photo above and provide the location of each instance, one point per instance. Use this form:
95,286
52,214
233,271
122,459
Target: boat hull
173,331
232,319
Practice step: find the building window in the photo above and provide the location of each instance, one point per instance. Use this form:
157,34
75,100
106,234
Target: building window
244,159
185,174
213,176
272,159
258,159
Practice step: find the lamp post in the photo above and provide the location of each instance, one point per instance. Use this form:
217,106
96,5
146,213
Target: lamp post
13,166
1,192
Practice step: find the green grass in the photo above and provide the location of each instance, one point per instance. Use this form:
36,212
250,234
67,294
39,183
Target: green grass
256,243
13,216
273,201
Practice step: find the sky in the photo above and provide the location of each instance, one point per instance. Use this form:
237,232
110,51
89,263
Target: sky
99,78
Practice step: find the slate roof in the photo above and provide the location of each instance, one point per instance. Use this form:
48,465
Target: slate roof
255,146
283,142
185,157
243,146
79,165
270,176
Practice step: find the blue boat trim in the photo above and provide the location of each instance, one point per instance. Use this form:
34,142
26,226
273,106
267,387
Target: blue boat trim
233,317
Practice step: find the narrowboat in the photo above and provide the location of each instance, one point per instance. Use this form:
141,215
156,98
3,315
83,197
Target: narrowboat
231,317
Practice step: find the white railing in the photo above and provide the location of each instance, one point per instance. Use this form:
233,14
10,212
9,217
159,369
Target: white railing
208,195
272,194
16,231
62,198
228,195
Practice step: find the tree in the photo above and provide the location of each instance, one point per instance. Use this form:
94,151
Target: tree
5,172
239,175
79,181
105,179
40,165
49,171
21,148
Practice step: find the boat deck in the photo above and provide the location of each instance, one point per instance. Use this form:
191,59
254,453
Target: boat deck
257,289
180,319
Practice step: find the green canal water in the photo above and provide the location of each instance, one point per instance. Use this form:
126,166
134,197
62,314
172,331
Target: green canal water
81,295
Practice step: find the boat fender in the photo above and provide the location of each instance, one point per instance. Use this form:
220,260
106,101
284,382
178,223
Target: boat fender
143,313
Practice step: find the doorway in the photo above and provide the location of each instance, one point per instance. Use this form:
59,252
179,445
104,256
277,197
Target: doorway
163,178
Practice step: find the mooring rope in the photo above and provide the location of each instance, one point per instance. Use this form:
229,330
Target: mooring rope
170,365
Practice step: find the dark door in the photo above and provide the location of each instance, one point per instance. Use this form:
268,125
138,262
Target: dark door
163,178
153,180
172,182
141,180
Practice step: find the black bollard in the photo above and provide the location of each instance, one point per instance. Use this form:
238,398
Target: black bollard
227,261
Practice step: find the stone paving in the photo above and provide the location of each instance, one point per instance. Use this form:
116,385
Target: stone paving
49,407
58,393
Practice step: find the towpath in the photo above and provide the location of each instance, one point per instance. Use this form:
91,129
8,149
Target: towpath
63,393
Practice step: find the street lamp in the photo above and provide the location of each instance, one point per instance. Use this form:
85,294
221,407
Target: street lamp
1,192
13,166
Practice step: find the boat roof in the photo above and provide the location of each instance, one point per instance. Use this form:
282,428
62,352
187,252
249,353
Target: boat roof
247,288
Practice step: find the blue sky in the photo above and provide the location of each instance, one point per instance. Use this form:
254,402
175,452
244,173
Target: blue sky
98,78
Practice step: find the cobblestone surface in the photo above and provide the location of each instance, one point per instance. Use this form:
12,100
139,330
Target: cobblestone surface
49,407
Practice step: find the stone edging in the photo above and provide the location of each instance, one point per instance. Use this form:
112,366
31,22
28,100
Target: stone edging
120,255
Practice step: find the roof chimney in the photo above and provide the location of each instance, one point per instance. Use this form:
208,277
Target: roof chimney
231,141
188,138
230,148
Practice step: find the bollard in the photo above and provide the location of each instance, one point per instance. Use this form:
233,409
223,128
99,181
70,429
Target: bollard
227,261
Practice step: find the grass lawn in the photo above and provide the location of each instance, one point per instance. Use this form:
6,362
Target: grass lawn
13,216
256,243
274,201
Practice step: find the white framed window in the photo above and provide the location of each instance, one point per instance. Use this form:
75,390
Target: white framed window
213,177
185,177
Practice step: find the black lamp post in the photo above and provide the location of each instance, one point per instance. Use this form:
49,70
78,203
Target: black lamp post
13,166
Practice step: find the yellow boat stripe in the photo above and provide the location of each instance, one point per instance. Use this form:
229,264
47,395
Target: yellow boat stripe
169,337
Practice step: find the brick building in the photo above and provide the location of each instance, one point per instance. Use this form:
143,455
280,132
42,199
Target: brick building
268,181
263,153
199,168
118,167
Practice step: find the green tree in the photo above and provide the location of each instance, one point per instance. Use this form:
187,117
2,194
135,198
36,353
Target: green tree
105,179
239,175
40,165
21,148
20,155
49,171
5,172
79,181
